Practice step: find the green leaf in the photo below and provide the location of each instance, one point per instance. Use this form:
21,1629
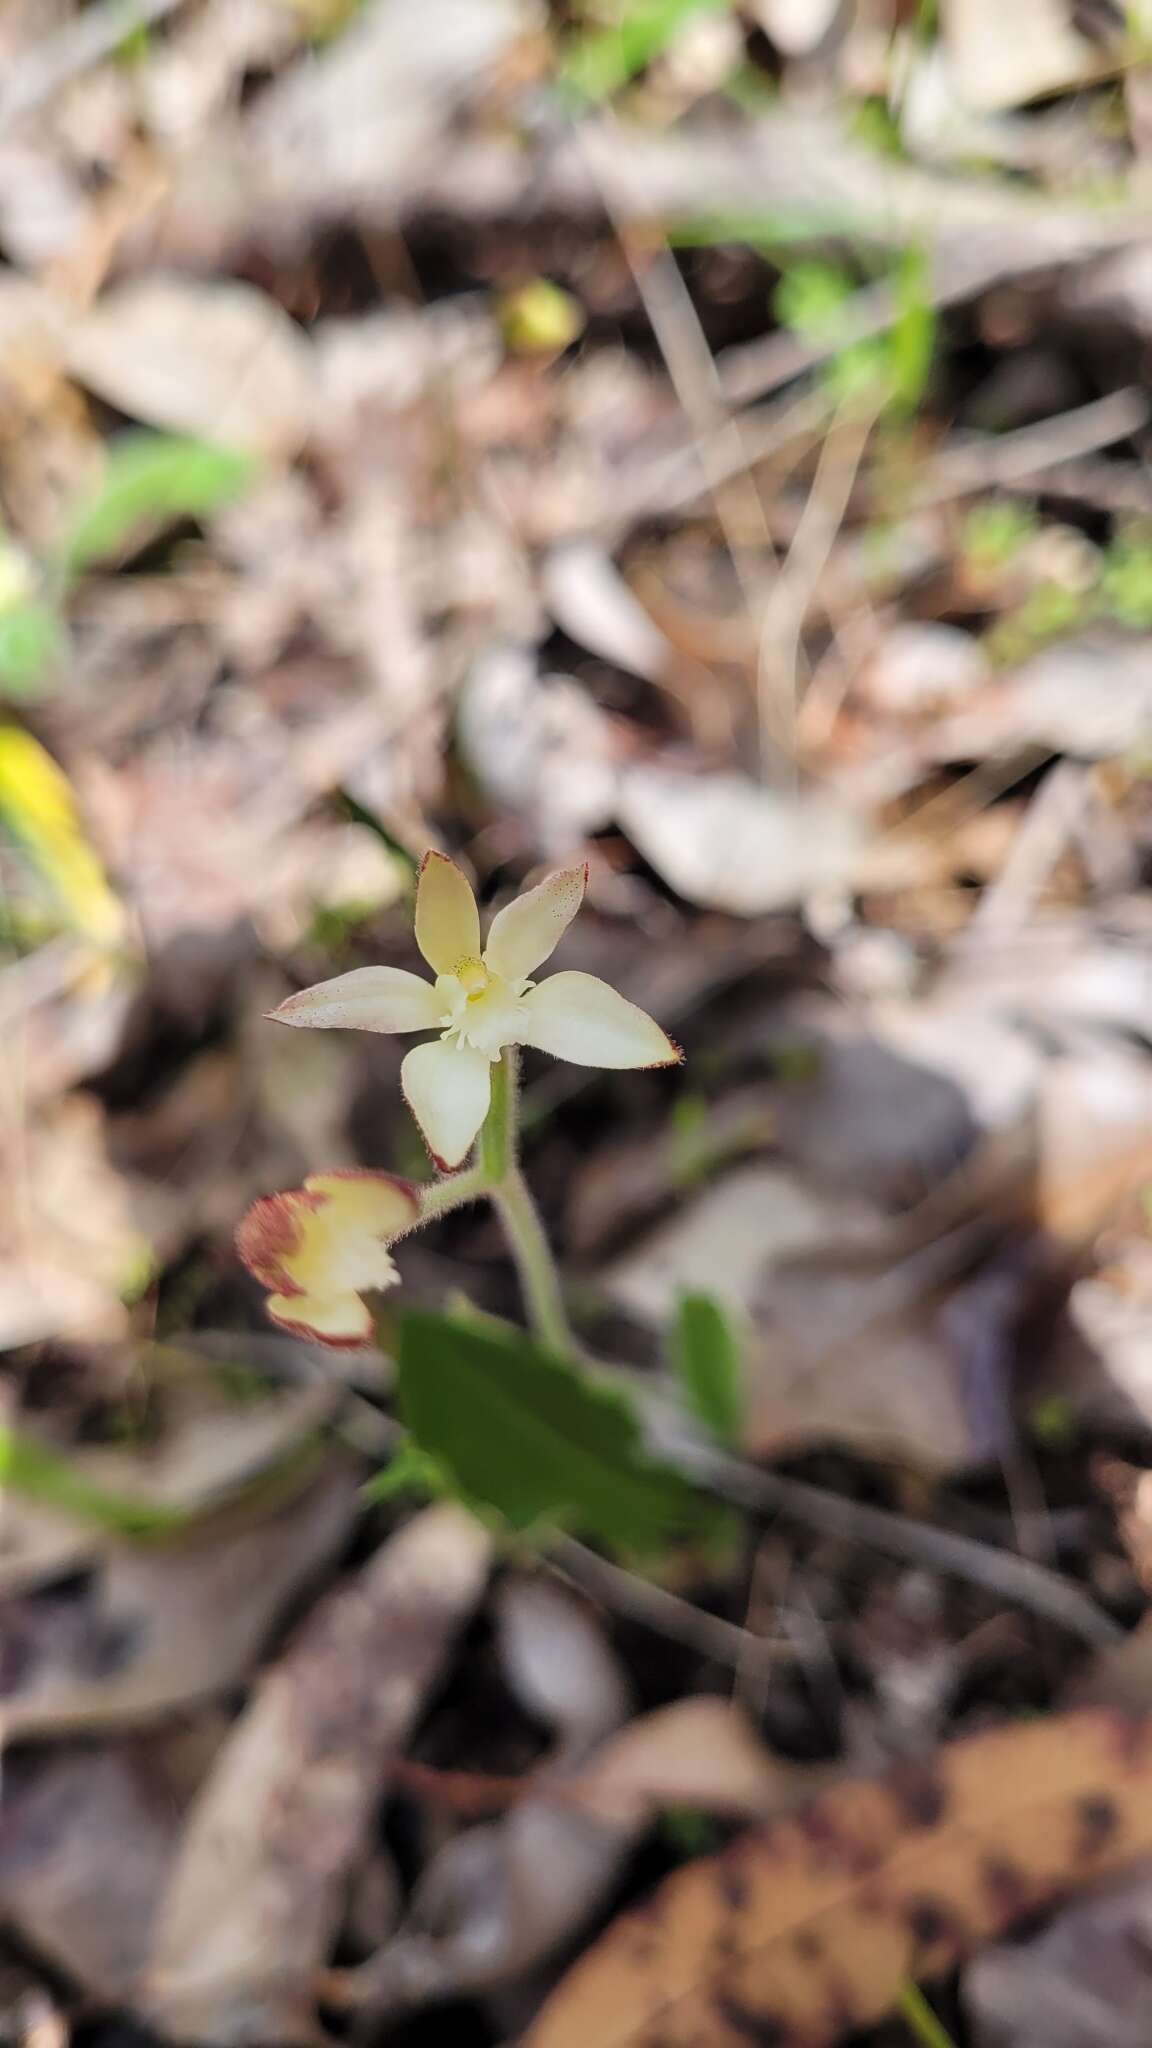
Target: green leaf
599,62
530,1435
706,1361
27,1467
811,297
153,479
30,638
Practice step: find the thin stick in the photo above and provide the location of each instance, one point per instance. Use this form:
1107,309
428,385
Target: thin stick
1047,828
1001,460
664,1612
718,443
1011,1578
783,616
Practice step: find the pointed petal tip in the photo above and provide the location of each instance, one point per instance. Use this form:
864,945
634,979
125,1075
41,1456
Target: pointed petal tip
441,1164
674,1057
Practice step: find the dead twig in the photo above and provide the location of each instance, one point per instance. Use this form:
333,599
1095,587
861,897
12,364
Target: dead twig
998,461
725,1642
1049,825
1014,1579
782,617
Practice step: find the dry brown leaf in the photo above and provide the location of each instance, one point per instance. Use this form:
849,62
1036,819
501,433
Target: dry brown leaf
156,1625
728,843
558,1663
498,1900
1043,52
195,356
85,1909
701,1753
360,122
1085,1982
1120,1675
69,1248
796,26
1089,697
211,1445
588,597
804,1932
842,1342
256,1895
539,746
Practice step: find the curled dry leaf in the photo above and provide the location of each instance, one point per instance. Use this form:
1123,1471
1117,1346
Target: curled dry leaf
805,1932
588,597
257,1892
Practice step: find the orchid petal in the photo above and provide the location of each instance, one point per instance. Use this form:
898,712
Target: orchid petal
527,931
367,999
343,1322
362,1202
448,1089
447,920
578,1017
318,1247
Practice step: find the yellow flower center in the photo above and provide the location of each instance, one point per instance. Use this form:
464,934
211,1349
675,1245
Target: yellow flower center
481,1010
473,978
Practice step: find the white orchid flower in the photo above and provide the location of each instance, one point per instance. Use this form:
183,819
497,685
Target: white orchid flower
482,1001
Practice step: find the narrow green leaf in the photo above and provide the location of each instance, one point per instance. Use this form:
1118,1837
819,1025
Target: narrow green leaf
533,1437
29,1468
411,1470
152,479
923,2024
30,638
912,343
706,1361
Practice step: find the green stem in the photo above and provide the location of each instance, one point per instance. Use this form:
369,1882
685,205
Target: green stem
534,1263
497,1149
497,1174
922,2021
499,1160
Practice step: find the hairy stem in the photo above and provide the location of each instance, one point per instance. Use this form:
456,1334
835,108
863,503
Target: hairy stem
442,1196
508,1190
534,1262
497,1147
